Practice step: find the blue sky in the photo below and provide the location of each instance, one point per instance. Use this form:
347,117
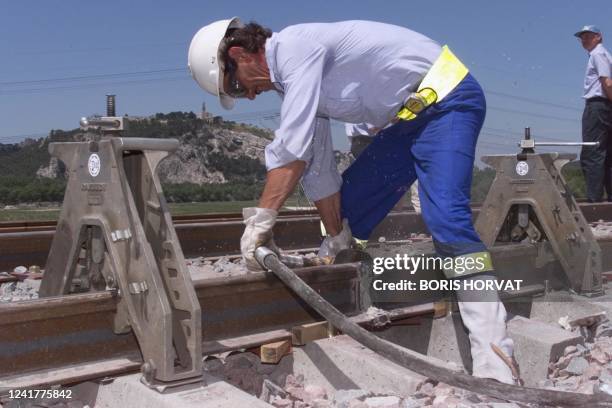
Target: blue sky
59,58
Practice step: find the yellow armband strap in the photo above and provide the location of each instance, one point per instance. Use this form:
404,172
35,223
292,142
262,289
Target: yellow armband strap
443,76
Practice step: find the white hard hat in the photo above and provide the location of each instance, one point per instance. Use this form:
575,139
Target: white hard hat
203,58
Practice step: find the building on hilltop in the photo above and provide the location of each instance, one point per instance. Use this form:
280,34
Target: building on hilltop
206,116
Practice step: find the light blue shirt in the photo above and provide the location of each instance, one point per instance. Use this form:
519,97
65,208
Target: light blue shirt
360,129
599,65
351,71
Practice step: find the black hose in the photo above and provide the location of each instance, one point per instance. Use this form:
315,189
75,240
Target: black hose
417,362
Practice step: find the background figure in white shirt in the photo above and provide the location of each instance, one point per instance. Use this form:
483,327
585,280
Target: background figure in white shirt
596,162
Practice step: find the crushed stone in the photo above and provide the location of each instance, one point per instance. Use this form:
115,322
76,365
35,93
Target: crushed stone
19,290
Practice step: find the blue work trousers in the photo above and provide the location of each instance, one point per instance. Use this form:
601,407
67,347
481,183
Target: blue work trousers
438,148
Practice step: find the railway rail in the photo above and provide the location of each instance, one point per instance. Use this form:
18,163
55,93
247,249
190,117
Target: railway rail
68,339
217,234
142,307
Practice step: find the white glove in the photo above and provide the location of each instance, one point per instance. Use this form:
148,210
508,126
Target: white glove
332,245
258,232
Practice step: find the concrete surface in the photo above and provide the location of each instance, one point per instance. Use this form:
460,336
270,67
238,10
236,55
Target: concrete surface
536,345
445,339
556,305
128,391
340,363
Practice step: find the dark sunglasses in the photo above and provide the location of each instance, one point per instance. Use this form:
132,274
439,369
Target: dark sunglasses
235,88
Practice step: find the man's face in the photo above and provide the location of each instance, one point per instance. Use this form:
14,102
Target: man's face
589,40
248,75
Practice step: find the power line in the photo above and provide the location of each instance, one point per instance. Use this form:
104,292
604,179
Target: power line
85,86
539,78
101,49
487,141
183,69
98,76
531,100
537,115
513,133
273,114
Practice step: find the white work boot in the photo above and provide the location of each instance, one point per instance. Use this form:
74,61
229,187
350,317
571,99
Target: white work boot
485,318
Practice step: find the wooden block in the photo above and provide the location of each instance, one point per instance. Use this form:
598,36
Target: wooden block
309,332
272,353
250,342
442,308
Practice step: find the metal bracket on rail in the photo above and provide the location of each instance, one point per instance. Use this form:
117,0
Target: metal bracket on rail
115,233
530,199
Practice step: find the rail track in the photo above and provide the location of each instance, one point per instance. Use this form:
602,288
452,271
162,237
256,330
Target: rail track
217,234
69,339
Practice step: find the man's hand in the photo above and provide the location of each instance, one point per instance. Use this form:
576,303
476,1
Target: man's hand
258,232
332,245
259,221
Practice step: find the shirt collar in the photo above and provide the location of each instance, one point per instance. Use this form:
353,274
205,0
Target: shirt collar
595,49
270,52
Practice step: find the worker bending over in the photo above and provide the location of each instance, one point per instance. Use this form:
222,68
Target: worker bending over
430,110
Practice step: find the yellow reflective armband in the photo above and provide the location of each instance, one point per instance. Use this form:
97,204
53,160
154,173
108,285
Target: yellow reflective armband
443,76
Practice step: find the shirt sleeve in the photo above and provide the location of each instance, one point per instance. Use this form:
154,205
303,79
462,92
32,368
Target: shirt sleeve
321,178
602,65
359,129
300,70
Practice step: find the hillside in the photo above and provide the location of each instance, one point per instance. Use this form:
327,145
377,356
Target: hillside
217,160
208,153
